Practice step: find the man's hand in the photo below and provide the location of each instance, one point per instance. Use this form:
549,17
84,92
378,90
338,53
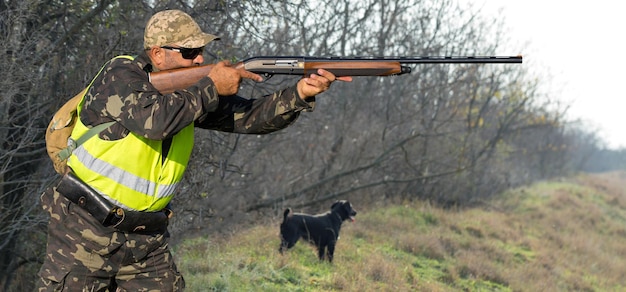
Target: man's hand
227,79
318,83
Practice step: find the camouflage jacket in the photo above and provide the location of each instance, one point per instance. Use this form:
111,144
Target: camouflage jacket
123,93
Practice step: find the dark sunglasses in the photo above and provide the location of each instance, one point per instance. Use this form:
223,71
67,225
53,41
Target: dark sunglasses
185,52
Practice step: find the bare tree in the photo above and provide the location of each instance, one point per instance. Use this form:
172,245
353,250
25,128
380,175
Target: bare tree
407,135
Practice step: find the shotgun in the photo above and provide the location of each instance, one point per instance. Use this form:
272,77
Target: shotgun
169,80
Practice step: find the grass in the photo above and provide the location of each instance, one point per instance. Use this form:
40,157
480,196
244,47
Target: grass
562,235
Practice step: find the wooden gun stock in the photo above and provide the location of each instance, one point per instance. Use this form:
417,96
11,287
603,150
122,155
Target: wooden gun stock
169,81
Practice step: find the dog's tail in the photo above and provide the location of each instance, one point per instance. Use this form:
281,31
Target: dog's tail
287,214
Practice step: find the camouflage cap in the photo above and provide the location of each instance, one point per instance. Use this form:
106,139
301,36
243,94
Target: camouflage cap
171,27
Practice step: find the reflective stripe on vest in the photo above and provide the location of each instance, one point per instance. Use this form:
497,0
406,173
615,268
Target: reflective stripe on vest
130,172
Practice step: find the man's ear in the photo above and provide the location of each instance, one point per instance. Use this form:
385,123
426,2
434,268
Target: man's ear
157,55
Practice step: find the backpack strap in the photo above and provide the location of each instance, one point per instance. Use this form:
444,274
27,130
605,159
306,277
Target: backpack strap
72,145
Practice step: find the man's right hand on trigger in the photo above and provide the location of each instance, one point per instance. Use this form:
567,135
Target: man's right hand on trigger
227,79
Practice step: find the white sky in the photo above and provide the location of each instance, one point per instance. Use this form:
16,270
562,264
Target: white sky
582,44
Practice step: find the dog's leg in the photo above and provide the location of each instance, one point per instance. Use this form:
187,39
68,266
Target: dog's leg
330,244
321,250
288,239
331,251
284,245
288,232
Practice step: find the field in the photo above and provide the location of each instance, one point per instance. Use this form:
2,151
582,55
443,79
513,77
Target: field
562,235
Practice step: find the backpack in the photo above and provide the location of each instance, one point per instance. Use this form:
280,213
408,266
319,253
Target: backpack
59,145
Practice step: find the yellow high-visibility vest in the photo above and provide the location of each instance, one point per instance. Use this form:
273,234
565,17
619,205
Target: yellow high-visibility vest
131,172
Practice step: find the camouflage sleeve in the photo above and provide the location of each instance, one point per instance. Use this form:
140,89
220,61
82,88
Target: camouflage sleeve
123,93
256,116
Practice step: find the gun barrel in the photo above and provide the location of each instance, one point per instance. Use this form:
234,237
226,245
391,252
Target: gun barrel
286,60
461,60
421,60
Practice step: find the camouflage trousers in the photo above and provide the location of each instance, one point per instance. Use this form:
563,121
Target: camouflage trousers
84,255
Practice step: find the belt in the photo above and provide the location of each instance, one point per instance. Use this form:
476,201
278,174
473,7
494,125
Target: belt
109,214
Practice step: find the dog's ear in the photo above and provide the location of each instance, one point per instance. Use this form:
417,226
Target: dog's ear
346,206
335,204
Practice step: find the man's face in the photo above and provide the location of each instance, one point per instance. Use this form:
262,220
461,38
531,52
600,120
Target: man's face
172,57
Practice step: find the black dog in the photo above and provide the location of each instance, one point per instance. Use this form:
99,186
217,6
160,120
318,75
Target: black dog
321,230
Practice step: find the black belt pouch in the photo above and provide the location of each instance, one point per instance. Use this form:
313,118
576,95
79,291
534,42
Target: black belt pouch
87,198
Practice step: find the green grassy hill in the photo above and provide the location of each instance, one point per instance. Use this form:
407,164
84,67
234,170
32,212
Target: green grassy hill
565,235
